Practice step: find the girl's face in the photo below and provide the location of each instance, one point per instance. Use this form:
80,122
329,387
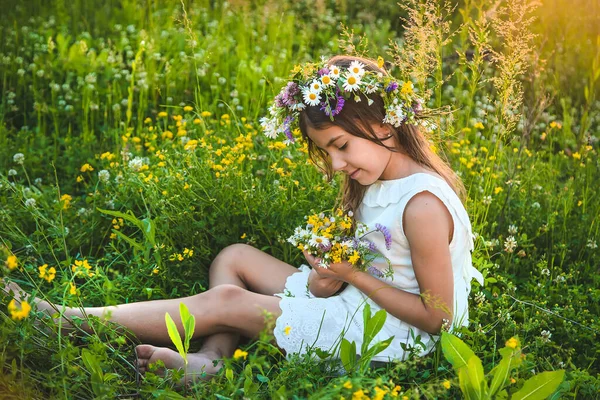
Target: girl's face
361,159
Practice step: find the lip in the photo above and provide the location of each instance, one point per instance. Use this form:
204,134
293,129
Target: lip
354,174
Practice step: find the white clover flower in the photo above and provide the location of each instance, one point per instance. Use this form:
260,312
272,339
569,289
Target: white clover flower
19,158
37,181
104,175
12,172
30,203
546,272
535,205
510,244
591,244
479,298
512,229
546,335
136,164
110,204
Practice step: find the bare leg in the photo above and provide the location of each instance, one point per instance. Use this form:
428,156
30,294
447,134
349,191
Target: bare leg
238,265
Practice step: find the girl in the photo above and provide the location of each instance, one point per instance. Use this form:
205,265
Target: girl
356,120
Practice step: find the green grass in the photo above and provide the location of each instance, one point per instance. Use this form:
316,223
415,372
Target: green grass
87,82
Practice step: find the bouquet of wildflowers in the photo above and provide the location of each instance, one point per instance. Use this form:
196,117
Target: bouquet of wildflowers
335,238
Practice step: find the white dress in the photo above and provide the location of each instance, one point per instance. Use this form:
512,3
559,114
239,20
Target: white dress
308,321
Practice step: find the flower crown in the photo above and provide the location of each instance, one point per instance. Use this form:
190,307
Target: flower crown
330,86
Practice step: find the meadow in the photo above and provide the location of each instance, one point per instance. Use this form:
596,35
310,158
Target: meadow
131,153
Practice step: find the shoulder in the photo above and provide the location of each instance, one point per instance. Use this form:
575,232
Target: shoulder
426,214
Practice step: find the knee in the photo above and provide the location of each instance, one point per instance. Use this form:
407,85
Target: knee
230,256
227,293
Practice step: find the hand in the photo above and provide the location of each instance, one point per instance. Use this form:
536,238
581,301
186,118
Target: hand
341,271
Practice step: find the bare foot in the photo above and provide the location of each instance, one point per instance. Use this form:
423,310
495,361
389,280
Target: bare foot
198,363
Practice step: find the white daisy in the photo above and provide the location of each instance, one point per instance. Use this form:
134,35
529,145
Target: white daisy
269,127
326,80
311,98
316,86
318,240
352,83
334,72
357,68
371,88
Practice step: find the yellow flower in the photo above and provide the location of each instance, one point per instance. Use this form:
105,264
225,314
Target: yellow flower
577,156
407,88
353,259
205,114
380,62
47,274
555,124
498,190
358,395
379,393
287,330
17,313
155,271
188,108
197,121
478,125
162,114
240,353
446,384
225,116
66,200
348,385
243,236
72,288
11,262
86,168
512,380
79,179
512,342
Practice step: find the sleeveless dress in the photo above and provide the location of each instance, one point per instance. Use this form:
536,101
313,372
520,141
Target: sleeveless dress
308,321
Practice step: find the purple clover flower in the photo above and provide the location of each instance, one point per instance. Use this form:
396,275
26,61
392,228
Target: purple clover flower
288,132
417,107
323,71
372,246
391,87
286,95
386,234
326,107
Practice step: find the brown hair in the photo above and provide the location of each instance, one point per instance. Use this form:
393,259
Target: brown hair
356,118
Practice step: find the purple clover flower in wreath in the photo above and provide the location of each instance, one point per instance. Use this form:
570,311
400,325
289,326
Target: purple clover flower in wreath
326,107
323,71
286,128
391,87
386,234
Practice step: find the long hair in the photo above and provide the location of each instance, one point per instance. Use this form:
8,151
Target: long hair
356,118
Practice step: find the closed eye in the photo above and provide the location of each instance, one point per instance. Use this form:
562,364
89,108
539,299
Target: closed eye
344,146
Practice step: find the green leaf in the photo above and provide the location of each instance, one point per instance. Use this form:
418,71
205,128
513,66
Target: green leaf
510,360
128,217
348,355
174,335
455,350
477,377
134,243
464,382
540,386
373,326
189,324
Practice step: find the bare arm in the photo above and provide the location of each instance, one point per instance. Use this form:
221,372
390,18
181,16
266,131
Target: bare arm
428,227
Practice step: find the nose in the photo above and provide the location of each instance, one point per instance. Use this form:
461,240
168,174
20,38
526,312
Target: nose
337,162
